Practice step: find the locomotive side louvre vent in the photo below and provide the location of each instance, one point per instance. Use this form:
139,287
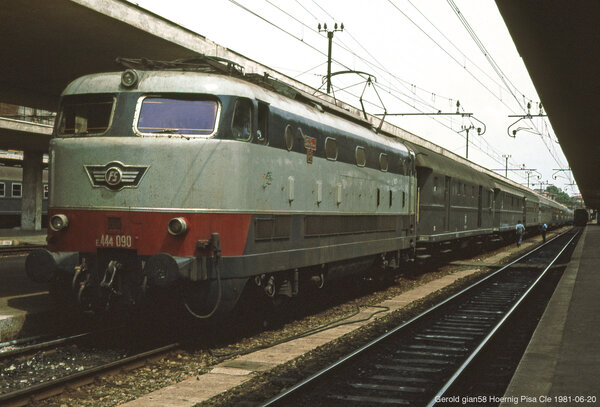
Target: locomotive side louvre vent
115,175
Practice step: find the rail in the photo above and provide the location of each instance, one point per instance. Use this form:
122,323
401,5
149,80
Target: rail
435,346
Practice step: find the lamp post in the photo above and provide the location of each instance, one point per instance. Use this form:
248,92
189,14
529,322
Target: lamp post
466,129
506,157
330,38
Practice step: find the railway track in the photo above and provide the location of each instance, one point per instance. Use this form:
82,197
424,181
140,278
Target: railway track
19,249
417,362
34,344
42,369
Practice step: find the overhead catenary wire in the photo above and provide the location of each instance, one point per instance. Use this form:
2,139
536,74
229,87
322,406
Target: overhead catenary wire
347,48
447,53
508,84
392,90
496,158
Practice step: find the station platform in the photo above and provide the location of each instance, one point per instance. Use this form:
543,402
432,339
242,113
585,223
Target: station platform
561,365
23,303
16,237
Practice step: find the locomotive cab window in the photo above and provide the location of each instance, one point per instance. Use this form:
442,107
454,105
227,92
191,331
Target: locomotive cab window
262,136
167,116
85,115
241,125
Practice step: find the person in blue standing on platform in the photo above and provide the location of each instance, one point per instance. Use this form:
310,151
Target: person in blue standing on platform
544,228
520,228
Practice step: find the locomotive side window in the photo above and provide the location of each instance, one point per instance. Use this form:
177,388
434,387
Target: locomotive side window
160,115
289,137
361,156
84,115
383,162
331,148
241,125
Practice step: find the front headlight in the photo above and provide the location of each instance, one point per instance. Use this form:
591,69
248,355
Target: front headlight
177,226
59,222
129,78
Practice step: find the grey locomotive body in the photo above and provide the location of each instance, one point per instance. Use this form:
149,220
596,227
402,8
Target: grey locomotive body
211,182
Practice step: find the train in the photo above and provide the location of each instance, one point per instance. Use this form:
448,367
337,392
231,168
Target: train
462,205
196,179
11,195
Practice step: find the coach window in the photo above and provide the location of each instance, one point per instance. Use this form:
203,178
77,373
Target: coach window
435,184
289,137
17,190
383,162
45,191
241,125
331,148
361,156
2,190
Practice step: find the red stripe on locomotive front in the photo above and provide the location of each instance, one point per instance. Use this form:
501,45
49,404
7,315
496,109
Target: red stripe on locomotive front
147,232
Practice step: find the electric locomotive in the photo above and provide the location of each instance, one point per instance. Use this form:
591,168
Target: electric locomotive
195,178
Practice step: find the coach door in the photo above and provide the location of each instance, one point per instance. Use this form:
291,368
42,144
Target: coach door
447,195
479,206
262,122
497,208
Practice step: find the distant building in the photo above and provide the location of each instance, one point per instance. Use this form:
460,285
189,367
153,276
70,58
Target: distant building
28,114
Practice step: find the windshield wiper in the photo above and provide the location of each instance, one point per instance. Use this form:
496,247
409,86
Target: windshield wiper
174,131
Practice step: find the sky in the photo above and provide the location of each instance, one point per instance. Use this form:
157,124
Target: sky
423,58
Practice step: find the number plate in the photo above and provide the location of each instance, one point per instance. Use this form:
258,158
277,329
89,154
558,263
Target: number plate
116,241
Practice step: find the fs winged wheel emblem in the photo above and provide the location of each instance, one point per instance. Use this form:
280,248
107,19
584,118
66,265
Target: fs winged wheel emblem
115,175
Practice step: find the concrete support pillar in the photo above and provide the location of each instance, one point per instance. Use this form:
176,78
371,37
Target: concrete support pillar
31,204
